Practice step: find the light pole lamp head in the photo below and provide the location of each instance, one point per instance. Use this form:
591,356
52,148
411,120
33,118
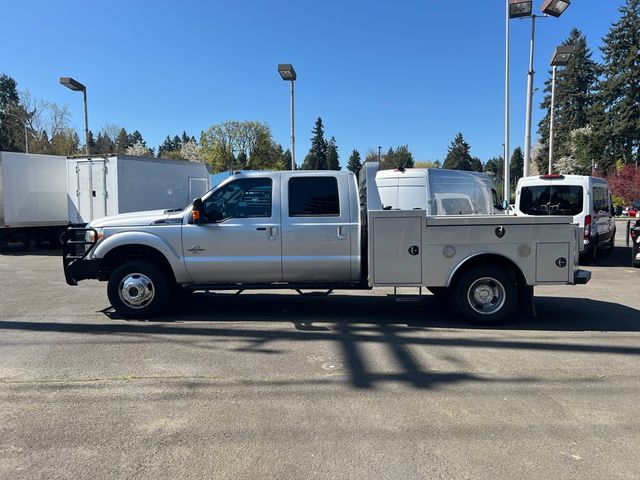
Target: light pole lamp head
562,55
286,71
555,8
72,84
520,8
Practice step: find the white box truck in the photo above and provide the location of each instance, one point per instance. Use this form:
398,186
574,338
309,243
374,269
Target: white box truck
105,185
33,198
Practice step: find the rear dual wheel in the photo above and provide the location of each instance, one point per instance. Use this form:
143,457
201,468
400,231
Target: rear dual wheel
485,295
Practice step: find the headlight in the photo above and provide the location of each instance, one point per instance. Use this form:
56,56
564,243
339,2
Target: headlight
94,236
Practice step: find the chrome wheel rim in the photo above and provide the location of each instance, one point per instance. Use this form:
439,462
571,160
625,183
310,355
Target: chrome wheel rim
486,296
136,290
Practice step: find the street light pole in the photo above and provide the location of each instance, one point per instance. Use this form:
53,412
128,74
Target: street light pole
551,119
24,124
527,134
506,109
76,86
288,73
561,57
379,154
293,129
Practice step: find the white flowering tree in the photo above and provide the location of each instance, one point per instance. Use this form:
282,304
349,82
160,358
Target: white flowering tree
138,150
190,151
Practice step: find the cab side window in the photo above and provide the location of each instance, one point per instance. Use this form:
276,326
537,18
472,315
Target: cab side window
314,197
243,198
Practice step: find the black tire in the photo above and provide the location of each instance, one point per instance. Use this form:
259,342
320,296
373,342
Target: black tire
138,289
485,295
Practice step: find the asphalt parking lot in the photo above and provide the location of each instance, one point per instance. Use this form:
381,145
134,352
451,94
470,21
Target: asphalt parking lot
350,386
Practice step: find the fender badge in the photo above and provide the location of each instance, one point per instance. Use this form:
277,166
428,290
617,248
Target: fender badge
196,250
500,231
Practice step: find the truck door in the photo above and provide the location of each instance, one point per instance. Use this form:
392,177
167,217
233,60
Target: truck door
91,189
241,239
316,229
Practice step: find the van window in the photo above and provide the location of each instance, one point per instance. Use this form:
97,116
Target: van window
551,200
600,199
313,197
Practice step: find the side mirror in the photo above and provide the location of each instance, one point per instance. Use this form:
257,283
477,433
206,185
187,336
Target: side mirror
198,212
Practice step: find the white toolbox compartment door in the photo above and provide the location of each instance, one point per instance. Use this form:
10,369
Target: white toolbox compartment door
397,251
552,262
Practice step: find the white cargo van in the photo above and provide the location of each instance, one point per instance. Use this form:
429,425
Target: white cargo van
587,199
438,191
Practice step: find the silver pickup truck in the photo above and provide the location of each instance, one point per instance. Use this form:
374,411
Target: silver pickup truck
321,230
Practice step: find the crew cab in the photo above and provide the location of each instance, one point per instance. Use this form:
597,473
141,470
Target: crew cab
320,230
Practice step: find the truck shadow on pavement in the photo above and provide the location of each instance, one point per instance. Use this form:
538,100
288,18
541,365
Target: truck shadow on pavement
259,324
309,313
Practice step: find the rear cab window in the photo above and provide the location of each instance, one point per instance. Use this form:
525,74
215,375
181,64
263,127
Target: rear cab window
552,200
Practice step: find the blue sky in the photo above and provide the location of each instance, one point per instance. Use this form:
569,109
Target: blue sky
378,73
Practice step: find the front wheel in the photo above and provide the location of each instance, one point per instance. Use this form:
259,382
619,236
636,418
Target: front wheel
138,289
485,295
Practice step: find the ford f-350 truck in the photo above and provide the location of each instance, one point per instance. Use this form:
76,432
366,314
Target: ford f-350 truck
320,230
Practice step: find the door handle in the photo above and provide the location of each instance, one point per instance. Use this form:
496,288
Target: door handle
342,231
273,233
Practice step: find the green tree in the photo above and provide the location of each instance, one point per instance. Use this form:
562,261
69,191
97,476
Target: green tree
620,86
221,144
516,168
458,156
316,159
123,141
10,126
574,102
333,159
104,144
398,158
285,158
355,163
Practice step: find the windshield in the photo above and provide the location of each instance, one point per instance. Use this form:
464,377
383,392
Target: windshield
551,200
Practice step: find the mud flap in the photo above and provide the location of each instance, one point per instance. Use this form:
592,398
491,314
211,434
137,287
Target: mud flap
526,301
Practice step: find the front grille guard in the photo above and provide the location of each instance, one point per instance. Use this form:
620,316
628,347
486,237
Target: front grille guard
75,246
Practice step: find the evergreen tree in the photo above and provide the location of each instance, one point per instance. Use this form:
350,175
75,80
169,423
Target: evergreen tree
10,126
458,155
399,158
316,159
285,158
620,87
574,102
516,168
122,141
476,164
136,137
104,144
166,146
355,164
92,142
333,159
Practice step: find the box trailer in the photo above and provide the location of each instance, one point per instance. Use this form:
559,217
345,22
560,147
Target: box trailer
33,197
100,186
